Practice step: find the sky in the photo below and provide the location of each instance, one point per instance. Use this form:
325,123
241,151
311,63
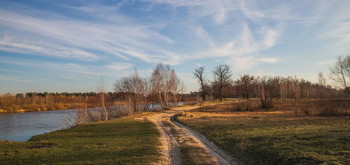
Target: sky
67,46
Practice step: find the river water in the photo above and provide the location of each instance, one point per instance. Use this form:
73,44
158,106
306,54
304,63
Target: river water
22,126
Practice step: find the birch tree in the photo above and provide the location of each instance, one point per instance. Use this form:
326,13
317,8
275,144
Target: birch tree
166,85
101,90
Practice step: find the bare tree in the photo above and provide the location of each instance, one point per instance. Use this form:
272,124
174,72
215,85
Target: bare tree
176,87
101,90
222,75
199,74
245,86
321,79
135,91
266,90
340,72
165,85
81,114
157,81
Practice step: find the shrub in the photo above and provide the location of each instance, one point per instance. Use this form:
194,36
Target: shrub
266,103
243,106
13,108
59,106
32,107
43,107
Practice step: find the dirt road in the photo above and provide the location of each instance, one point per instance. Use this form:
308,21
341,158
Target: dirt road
174,135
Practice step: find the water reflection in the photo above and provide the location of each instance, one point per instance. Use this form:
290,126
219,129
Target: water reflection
22,126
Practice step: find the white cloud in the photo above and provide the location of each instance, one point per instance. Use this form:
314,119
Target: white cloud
115,34
199,65
269,60
243,51
338,38
270,37
76,39
119,35
74,70
119,66
327,63
16,79
242,63
248,8
11,71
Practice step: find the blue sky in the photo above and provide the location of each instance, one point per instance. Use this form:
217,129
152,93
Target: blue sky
69,45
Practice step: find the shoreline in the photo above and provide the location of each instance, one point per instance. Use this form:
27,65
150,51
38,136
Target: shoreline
26,111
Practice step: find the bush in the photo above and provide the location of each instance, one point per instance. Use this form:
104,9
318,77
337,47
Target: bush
43,107
243,106
13,108
266,103
59,106
50,107
32,107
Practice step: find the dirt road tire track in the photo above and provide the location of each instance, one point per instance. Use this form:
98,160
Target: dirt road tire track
170,150
222,157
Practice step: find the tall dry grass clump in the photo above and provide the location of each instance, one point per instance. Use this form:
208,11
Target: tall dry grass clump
266,103
327,107
243,106
246,105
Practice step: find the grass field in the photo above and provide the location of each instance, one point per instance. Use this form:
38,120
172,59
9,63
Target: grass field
120,141
276,137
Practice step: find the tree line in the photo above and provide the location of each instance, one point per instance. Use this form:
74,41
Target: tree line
132,94
42,101
267,88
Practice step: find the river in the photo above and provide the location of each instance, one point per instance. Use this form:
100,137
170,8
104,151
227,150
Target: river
22,126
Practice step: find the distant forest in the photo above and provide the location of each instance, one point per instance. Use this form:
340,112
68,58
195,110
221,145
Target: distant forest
276,87
165,88
43,101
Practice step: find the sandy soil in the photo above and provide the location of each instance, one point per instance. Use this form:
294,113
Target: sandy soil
170,144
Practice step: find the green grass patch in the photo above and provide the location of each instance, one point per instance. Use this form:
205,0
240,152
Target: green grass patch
120,141
279,139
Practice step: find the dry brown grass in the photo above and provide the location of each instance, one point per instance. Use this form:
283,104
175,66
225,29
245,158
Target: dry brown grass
325,107
278,136
256,114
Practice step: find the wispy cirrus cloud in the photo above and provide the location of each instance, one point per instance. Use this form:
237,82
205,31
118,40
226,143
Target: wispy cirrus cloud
72,38
16,79
239,44
119,66
243,50
115,34
102,38
112,70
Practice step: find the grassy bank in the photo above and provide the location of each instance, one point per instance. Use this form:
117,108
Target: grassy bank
276,137
120,141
